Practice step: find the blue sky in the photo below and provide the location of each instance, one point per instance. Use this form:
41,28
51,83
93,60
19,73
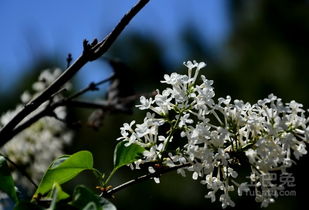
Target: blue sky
35,28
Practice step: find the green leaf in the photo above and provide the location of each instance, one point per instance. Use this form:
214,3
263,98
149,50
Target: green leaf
56,195
124,155
85,199
6,181
64,169
57,190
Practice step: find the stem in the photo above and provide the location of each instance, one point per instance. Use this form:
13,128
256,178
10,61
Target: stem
141,179
110,176
91,52
171,133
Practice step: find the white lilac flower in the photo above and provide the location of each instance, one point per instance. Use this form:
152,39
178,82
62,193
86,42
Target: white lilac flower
243,187
212,137
145,103
226,200
36,146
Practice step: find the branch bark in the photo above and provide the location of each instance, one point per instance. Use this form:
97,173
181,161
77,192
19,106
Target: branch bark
91,52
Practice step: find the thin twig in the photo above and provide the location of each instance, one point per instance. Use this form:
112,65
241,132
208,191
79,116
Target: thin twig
91,87
96,105
142,178
49,110
69,59
91,52
23,172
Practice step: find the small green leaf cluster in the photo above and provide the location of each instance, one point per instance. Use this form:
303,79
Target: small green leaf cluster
49,193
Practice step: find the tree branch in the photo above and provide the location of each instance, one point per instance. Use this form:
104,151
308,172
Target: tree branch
142,178
91,52
69,102
49,111
91,87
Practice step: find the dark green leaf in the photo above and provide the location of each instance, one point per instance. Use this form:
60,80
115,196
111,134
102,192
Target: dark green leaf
85,199
124,155
6,182
107,205
64,169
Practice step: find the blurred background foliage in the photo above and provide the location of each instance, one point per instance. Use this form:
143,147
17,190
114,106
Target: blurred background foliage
267,52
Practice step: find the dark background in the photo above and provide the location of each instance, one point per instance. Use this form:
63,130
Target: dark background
266,52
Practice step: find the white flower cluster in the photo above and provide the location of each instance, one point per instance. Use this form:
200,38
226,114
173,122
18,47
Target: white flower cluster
185,125
34,148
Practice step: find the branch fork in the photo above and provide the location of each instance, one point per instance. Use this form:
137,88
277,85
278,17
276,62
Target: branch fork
91,52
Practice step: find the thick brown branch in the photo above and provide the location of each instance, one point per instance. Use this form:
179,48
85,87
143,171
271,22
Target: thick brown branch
45,112
109,40
91,52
